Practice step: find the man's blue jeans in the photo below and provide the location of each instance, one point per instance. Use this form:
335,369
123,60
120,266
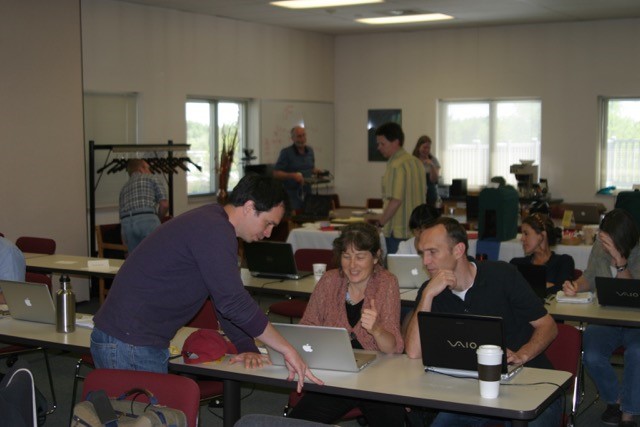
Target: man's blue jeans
111,353
136,228
599,342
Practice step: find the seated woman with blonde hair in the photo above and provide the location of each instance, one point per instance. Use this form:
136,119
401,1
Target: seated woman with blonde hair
364,298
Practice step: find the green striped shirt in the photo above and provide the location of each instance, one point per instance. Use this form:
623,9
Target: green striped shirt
404,179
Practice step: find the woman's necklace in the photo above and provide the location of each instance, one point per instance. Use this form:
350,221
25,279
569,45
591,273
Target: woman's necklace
348,297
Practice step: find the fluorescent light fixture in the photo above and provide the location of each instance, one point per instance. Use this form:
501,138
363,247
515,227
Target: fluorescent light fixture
404,19
310,4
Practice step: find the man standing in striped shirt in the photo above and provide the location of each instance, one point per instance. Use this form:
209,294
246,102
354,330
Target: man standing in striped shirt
403,185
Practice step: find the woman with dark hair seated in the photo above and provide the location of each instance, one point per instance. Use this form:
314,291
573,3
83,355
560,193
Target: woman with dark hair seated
538,236
364,298
615,253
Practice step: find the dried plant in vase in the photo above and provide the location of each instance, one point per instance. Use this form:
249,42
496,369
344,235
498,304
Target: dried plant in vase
229,145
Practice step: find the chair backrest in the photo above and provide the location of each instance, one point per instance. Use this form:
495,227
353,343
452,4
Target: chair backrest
36,245
109,241
374,203
305,258
174,391
33,277
206,318
564,352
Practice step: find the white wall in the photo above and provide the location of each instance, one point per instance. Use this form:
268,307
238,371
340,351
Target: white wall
41,166
166,55
566,65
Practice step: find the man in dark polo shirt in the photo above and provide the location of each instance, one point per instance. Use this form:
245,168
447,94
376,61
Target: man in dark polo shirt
460,285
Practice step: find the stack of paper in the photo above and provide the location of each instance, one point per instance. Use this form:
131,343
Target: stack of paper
579,298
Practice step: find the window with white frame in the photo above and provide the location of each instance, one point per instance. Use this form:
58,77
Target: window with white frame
211,125
482,139
620,142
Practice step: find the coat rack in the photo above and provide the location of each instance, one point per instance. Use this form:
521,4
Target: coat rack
168,165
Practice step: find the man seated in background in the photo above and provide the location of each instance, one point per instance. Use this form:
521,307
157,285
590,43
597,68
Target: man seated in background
12,264
460,285
422,215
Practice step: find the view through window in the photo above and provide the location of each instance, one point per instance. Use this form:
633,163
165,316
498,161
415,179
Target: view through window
620,160
482,139
212,125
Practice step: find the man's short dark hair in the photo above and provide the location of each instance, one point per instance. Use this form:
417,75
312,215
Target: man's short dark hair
455,231
391,131
265,192
422,215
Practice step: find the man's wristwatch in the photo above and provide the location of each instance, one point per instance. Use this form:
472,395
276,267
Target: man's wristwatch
621,268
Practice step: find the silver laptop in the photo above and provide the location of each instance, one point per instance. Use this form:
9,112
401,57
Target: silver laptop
272,259
408,269
322,347
449,343
29,301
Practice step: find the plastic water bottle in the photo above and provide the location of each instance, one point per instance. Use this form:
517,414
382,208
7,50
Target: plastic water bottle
65,306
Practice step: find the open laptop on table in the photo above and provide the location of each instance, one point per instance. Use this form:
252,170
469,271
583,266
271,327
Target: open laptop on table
536,276
272,259
32,302
315,208
408,269
449,343
618,292
322,347
29,301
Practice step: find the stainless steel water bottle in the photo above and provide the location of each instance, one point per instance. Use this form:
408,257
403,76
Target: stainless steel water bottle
65,306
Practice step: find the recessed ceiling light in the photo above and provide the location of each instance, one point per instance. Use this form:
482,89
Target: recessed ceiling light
403,19
310,4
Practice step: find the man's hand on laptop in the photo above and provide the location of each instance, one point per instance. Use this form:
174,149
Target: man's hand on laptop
251,360
297,367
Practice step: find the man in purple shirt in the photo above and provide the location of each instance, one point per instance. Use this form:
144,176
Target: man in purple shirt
163,284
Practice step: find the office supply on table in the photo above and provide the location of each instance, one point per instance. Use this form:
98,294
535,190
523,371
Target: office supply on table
29,301
449,343
579,298
408,269
272,259
618,292
322,347
536,276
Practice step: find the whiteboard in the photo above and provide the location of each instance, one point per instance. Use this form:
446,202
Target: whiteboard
278,117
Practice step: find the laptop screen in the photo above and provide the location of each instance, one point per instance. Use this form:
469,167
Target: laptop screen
618,292
450,340
29,301
272,259
408,269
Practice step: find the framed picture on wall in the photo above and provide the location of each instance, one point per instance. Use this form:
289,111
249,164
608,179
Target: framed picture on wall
376,118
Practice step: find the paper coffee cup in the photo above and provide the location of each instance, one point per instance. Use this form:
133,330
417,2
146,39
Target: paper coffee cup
319,270
489,370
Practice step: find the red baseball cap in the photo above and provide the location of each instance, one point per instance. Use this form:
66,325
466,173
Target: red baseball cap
205,345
